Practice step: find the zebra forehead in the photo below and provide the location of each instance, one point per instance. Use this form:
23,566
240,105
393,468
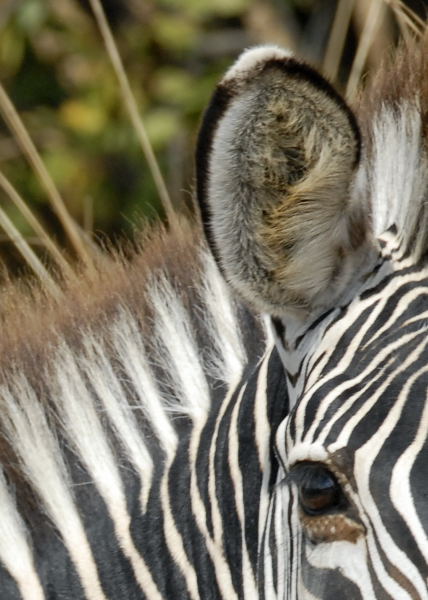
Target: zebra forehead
349,368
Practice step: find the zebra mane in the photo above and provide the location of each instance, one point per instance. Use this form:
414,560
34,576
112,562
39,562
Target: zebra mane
113,368
393,113
129,281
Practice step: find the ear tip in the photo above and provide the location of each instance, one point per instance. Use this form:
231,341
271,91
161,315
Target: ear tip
252,58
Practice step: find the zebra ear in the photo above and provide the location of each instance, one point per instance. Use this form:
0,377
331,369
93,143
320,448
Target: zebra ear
276,158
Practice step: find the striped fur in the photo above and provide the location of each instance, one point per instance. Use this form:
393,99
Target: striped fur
355,357
95,457
361,410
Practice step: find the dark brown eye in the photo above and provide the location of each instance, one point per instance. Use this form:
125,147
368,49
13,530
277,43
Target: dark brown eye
318,489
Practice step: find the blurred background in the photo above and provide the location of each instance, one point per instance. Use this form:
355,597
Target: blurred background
54,67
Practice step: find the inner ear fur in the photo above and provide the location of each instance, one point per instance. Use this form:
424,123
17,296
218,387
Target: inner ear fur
276,158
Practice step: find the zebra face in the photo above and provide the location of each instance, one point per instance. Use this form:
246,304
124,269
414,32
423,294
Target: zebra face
355,448
322,225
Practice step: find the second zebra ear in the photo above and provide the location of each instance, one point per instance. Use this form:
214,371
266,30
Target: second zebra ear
276,159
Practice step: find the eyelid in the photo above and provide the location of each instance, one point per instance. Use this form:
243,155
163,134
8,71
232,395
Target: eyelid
302,469
295,475
307,452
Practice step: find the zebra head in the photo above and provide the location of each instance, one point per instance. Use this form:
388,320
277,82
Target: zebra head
317,217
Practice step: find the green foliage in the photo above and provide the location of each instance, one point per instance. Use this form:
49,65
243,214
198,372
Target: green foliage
56,70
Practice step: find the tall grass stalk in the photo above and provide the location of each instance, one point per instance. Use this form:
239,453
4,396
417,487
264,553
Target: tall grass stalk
29,150
337,38
35,224
28,254
132,109
375,14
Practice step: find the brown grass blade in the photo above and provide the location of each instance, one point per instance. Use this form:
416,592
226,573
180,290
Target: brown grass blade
27,253
373,20
28,148
408,21
337,38
35,224
132,109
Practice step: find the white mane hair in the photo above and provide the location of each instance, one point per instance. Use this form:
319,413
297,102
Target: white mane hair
393,175
107,372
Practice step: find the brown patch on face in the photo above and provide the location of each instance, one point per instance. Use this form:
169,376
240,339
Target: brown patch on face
332,528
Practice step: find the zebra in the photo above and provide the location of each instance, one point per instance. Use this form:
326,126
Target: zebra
238,409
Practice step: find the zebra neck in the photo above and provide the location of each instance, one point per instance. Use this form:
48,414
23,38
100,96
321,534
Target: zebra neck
207,509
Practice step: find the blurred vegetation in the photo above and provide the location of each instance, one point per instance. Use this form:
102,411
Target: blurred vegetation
55,68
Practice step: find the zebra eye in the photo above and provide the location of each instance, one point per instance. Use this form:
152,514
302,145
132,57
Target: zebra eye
318,489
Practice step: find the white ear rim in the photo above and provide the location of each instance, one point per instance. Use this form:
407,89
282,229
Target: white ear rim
253,57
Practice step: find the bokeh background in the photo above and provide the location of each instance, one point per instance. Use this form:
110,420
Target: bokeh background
54,67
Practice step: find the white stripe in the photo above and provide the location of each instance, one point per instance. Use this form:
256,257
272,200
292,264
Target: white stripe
392,588
343,438
217,520
339,390
263,440
266,556
363,460
288,536
350,559
175,340
250,588
174,540
227,352
262,425
42,463
215,547
122,420
400,308
400,489
328,342
15,550
127,343
83,428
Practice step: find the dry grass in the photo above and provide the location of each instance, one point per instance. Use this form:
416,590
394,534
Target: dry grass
29,150
55,252
336,42
27,253
130,104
